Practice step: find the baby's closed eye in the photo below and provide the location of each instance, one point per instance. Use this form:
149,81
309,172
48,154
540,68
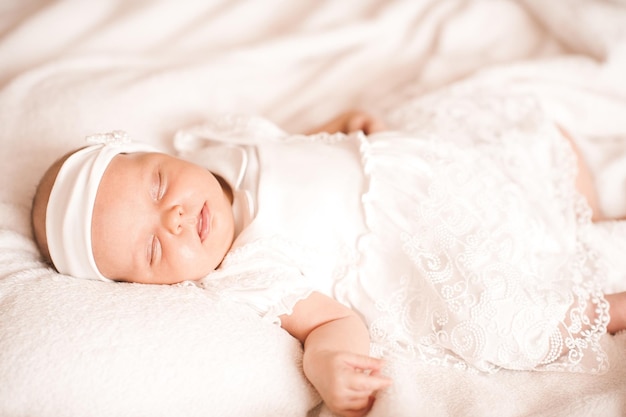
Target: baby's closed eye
157,185
154,250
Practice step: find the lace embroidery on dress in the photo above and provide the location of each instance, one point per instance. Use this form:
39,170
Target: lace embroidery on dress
267,274
478,266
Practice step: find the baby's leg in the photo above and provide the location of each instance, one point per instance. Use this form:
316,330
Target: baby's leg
617,310
584,181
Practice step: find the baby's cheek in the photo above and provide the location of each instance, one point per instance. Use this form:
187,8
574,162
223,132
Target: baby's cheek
188,262
186,253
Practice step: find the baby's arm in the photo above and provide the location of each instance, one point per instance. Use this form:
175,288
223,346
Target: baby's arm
336,361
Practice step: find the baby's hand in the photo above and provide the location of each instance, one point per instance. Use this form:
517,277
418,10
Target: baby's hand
352,121
347,382
355,120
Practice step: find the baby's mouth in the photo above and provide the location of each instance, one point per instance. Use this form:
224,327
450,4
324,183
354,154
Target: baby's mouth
204,222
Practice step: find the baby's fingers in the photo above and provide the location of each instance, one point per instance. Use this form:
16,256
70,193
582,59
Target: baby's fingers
364,363
361,394
367,383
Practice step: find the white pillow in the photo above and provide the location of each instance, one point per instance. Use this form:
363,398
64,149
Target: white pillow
72,347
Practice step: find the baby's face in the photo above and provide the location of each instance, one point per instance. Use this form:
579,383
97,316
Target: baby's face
159,220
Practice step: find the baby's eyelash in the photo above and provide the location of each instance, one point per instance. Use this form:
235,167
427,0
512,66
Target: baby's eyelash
161,189
153,250
157,188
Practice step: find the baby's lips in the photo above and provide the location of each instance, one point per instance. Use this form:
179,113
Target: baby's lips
204,222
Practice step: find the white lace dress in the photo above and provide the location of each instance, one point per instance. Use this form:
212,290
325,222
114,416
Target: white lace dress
459,237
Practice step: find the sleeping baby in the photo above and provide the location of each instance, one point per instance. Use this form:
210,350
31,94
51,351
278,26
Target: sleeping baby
461,246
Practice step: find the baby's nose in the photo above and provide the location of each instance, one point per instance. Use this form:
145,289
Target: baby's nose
175,219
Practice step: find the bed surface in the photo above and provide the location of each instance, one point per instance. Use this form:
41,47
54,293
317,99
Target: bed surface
70,68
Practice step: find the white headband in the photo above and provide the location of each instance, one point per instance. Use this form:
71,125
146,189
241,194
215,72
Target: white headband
70,207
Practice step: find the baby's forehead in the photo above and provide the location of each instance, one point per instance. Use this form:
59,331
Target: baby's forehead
135,160
124,170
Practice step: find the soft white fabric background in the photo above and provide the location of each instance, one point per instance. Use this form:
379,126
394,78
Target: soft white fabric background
69,68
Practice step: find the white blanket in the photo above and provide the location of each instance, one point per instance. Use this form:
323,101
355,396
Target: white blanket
72,68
